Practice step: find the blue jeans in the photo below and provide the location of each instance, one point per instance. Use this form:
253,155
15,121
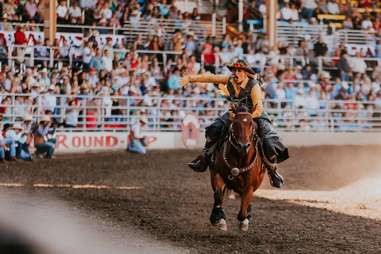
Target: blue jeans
46,149
2,153
22,151
12,146
136,146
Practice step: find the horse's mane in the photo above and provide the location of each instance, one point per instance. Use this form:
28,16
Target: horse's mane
242,109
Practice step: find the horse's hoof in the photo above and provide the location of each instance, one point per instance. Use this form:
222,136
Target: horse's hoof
244,225
221,225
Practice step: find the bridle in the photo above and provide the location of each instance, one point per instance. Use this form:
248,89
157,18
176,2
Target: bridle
235,171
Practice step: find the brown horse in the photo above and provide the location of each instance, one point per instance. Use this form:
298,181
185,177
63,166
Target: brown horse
237,165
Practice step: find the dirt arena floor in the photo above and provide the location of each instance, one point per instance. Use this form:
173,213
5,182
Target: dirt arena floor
159,195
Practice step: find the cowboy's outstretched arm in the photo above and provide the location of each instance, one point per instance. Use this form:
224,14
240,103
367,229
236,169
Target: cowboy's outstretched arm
257,98
204,78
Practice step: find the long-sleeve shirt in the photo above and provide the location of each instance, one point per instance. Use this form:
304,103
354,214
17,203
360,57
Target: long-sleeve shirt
222,80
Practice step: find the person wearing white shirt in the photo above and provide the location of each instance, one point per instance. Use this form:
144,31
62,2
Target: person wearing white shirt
280,92
333,7
106,13
107,60
45,80
62,12
286,12
357,64
49,100
300,99
21,138
312,102
75,12
87,55
136,138
366,24
71,116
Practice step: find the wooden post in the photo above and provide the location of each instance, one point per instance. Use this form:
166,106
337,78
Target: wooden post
49,14
240,15
272,9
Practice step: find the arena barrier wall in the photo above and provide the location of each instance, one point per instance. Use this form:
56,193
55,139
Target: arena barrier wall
73,142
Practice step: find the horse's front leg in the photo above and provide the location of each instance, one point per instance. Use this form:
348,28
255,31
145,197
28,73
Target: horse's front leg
243,215
217,218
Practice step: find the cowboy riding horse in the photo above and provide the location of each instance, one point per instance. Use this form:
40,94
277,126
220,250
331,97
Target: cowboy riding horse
243,88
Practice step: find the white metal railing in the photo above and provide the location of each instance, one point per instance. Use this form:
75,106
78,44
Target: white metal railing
29,56
131,29
294,32
95,113
349,36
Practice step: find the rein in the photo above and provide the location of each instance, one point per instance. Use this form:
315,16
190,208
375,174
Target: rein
235,171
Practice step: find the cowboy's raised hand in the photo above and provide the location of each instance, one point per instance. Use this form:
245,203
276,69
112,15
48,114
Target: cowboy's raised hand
184,80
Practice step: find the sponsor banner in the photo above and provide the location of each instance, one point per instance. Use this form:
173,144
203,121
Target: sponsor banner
76,39
352,49
72,142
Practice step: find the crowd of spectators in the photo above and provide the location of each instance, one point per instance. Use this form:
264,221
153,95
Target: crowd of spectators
102,71
90,12
359,15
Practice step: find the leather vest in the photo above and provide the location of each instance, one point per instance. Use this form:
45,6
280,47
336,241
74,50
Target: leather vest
244,96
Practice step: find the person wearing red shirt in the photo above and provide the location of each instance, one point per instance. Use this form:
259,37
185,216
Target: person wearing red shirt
20,39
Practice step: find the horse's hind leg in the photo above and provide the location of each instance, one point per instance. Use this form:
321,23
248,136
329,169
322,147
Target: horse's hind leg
217,218
243,215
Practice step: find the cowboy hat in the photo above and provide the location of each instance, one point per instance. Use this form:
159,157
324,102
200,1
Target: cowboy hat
241,64
45,118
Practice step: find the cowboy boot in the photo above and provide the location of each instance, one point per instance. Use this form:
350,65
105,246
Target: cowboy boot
201,163
276,179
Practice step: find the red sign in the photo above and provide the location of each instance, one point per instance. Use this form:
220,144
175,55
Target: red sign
71,142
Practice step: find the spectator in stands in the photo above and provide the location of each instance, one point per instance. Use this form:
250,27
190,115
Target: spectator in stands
62,12
44,146
320,47
2,149
9,9
31,12
21,41
348,24
9,136
289,12
344,66
174,80
333,7
358,64
3,50
367,24
75,13
308,9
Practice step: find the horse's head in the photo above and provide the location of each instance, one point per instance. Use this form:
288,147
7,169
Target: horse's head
242,131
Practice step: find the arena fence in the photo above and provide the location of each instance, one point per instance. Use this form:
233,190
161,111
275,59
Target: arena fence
108,113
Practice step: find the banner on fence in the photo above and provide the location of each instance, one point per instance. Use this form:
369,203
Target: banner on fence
71,142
